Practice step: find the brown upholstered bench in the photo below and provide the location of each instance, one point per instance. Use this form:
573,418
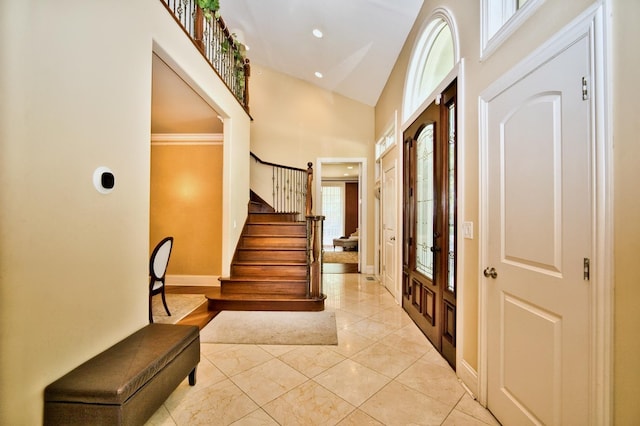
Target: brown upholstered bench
127,383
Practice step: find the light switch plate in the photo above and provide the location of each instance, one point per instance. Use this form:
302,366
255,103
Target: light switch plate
467,230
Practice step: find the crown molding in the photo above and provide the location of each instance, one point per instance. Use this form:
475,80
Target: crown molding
187,138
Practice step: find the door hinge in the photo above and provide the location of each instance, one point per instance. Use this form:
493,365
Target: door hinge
586,268
585,89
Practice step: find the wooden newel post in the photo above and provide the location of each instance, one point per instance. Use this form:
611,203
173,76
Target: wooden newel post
198,28
247,74
309,182
316,261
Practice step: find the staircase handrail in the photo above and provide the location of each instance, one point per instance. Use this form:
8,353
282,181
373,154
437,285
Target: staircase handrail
290,188
314,223
267,163
217,44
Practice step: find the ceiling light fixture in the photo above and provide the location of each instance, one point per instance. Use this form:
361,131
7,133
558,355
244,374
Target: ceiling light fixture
318,74
317,33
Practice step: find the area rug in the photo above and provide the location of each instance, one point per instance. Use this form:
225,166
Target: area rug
180,305
340,257
272,328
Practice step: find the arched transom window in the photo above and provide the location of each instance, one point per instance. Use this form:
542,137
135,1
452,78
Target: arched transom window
433,58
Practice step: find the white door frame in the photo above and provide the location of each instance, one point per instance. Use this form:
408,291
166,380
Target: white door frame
592,24
362,202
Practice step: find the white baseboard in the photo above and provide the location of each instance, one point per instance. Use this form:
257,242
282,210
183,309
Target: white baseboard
369,269
196,280
469,377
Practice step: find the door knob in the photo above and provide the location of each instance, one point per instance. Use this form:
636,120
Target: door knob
490,272
392,238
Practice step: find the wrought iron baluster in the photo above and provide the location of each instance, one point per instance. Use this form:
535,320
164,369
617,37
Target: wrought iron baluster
216,45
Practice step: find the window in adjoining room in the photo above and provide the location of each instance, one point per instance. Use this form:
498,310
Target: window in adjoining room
333,209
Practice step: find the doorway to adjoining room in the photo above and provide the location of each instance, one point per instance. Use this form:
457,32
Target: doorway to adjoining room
340,206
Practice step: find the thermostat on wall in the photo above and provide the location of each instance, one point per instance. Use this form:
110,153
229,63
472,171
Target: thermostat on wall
104,180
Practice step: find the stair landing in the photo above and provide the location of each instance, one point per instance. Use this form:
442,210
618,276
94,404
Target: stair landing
246,302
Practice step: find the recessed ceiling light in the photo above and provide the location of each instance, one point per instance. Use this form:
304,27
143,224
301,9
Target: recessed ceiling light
346,174
317,33
318,74
349,167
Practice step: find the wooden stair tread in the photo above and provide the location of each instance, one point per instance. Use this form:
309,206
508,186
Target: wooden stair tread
268,263
219,295
277,248
277,236
273,223
274,212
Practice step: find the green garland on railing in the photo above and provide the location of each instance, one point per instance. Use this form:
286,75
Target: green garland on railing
210,8
238,58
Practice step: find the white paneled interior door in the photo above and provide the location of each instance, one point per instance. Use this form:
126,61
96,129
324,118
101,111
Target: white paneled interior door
539,232
389,226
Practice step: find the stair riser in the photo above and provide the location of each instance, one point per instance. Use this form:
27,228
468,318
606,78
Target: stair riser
273,242
299,230
255,290
294,272
272,255
272,217
259,208
266,305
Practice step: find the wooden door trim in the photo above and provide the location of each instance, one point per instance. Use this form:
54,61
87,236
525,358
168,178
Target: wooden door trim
590,24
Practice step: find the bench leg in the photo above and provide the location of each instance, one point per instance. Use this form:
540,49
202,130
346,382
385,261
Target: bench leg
192,377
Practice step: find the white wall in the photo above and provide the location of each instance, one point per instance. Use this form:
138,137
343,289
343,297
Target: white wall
76,94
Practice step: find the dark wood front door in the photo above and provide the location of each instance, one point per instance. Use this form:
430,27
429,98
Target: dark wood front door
430,229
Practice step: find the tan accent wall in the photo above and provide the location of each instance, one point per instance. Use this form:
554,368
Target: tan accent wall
186,203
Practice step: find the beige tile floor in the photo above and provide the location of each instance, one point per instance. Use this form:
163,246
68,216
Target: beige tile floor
382,372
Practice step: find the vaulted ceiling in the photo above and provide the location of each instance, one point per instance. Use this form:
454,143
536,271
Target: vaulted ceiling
360,44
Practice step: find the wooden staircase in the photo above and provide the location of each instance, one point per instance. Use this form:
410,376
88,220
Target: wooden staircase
270,268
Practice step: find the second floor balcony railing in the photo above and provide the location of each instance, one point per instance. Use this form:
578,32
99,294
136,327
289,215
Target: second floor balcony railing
217,44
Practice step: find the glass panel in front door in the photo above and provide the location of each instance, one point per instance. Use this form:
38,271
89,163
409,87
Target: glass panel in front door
451,205
425,202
